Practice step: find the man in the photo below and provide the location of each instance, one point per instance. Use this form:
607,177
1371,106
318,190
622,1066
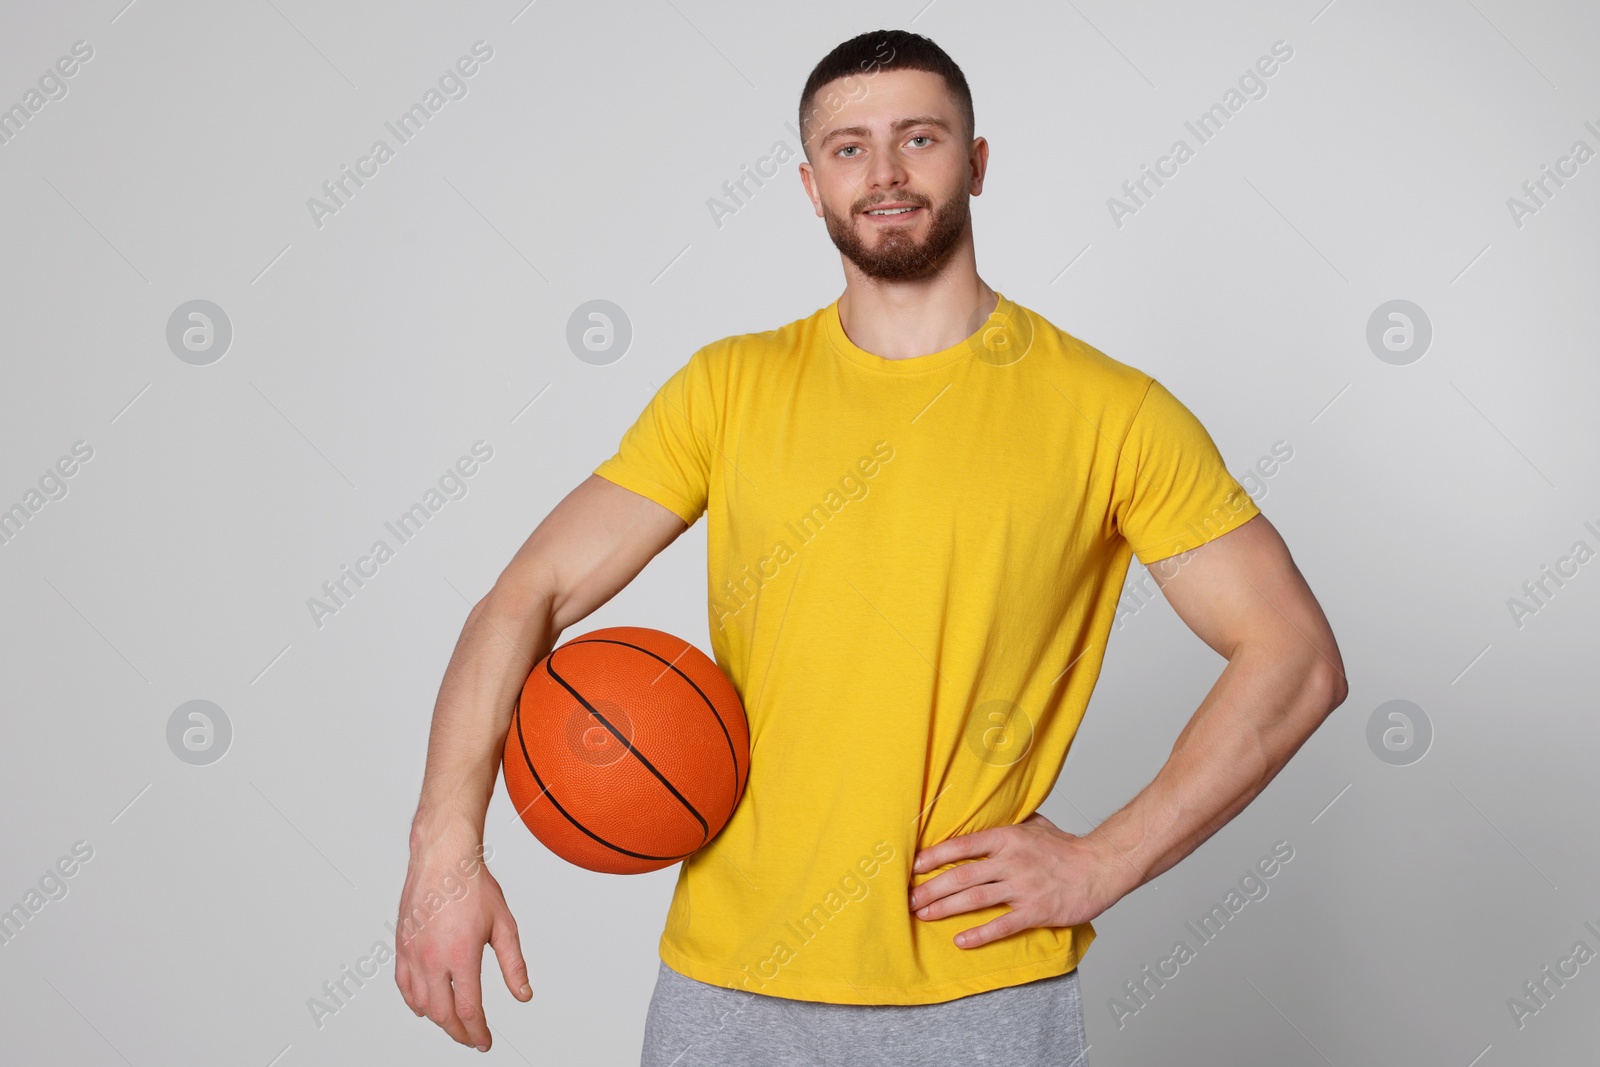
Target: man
922,501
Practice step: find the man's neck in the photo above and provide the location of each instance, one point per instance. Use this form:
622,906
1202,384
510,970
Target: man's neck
902,320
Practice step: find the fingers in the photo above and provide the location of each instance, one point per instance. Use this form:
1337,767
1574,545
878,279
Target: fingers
450,995
979,896
441,1006
508,950
993,930
971,899
957,878
408,990
469,1005
965,847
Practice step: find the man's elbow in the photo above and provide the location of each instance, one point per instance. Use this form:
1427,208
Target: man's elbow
527,585
1330,681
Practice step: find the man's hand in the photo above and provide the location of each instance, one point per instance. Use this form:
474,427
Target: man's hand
590,545
1242,594
1048,876
450,908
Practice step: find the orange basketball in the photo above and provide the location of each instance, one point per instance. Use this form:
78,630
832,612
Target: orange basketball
628,750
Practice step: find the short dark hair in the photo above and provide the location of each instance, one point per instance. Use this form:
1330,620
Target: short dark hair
886,50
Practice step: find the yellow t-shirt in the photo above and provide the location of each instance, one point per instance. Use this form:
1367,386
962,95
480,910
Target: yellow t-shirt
913,568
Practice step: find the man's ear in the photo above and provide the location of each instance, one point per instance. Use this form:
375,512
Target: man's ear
980,165
807,180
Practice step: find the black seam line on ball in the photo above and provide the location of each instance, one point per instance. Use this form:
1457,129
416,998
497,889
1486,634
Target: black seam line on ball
715,714
545,791
705,828
629,744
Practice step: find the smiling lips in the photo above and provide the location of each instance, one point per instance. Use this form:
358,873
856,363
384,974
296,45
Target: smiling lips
896,210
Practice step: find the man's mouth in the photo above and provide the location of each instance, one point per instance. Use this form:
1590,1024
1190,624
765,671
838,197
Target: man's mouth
891,212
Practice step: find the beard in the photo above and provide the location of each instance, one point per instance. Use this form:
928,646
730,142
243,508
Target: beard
896,255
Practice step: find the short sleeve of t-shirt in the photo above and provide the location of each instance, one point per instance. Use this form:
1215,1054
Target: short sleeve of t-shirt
666,454
1172,491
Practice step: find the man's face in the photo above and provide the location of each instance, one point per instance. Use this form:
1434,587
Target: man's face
900,144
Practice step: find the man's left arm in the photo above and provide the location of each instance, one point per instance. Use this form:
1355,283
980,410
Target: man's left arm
1242,594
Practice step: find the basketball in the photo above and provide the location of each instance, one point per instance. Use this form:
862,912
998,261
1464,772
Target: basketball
628,750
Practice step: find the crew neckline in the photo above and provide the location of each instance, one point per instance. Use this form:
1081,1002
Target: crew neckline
945,357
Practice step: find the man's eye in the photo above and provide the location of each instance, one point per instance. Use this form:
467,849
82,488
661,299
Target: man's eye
846,148
922,137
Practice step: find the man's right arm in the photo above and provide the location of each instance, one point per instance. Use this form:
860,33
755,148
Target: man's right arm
594,542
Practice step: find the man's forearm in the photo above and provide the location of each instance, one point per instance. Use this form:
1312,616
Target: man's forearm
1257,715
506,633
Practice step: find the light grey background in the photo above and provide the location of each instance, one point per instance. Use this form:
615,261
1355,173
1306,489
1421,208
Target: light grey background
430,312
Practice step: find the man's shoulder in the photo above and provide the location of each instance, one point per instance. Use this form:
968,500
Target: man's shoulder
1089,367
789,337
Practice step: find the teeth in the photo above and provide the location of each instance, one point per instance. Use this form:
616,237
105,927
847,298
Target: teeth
890,211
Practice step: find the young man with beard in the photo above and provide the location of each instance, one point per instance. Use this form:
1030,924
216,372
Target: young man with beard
913,666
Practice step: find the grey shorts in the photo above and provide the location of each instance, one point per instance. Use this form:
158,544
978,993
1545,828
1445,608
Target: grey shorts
694,1024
